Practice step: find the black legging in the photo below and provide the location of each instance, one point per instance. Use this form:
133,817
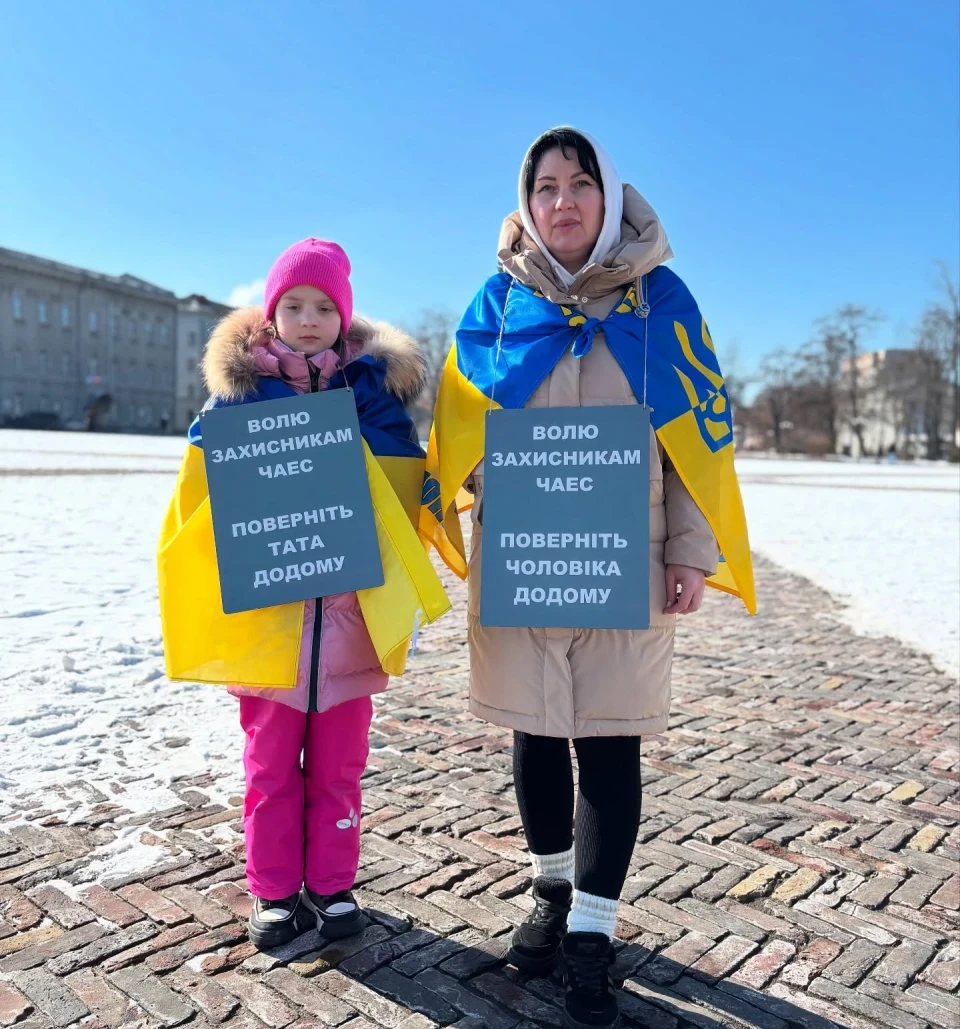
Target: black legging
608,804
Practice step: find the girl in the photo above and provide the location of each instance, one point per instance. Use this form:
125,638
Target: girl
306,746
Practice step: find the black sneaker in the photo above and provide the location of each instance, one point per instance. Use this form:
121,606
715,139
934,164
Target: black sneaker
273,922
537,942
337,916
589,1002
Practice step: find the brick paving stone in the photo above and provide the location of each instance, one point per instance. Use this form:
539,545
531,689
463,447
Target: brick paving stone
31,938
379,1010
944,970
109,906
102,948
203,910
512,997
109,1006
40,952
757,884
862,1004
158,1000
61,908
306,994
874,892
948,896
17,912
152,904
13,1005
760,969
257,998
411,994
723,958
854,963
673,961
900,967
49,994
811,961
939,1007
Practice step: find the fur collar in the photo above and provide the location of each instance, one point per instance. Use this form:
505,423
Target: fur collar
228,365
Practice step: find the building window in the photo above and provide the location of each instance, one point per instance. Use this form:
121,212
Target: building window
192,340
191,392
65,315
44,403
42,312
115,325
148,329
18,405
93,321
92,368
163,332
18,307
133,329
67,363
18,360
44,362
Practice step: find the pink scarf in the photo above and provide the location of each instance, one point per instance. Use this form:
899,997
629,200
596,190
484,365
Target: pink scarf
276,359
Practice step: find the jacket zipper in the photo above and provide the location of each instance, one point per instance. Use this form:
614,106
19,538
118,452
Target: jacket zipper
314,697
313,700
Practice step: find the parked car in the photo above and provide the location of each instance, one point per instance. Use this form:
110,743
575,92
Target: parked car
35,420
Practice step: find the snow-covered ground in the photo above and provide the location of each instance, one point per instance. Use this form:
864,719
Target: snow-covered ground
83,697
884,538
84,704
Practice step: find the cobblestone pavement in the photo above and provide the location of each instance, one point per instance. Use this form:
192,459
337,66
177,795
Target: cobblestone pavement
797,863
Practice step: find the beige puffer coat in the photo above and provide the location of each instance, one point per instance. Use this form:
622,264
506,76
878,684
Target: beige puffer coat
589,682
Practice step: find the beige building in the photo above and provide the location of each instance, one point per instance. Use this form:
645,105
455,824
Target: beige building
888,411
69,337
196,317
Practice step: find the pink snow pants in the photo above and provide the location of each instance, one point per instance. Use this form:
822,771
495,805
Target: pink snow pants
301,812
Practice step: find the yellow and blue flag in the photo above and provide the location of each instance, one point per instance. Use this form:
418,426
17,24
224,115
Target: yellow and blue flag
511,338
262,647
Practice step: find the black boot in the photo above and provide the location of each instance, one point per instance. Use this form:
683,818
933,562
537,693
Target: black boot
537,942
589,1002
273,922
337,916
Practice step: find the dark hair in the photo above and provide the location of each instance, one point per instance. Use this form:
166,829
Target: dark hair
564,139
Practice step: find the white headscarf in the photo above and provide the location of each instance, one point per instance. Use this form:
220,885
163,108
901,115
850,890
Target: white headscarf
612,209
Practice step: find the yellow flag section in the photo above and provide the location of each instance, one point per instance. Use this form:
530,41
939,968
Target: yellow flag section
454,450
711,480
261,648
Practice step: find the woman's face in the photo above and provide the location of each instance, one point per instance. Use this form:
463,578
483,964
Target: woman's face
567,208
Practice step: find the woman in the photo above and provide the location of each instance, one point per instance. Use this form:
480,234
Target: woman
583,257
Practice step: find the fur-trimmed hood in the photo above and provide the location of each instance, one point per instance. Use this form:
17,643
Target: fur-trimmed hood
230,372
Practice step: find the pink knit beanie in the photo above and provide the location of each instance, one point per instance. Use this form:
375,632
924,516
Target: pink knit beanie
312,262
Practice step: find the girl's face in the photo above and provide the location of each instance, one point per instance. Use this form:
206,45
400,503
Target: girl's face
307,320
567,208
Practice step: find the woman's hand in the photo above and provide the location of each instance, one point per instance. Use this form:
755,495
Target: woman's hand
685,587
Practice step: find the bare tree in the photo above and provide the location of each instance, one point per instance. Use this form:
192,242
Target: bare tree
778,377
434,333
934,352
951,308
834,360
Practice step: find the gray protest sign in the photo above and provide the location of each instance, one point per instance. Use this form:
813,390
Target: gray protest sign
292,517
566,518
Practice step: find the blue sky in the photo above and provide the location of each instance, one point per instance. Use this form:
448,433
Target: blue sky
801,154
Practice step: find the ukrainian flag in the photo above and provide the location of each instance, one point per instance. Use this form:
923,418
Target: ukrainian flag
262,647
509,341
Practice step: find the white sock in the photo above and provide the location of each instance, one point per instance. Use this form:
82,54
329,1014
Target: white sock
591,914
554,866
